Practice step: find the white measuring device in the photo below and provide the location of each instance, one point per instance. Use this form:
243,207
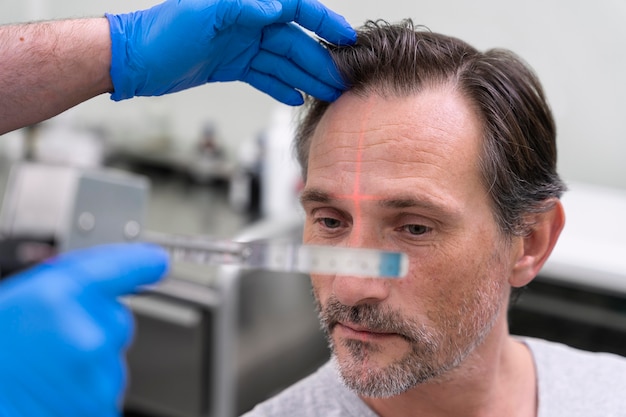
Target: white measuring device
283,256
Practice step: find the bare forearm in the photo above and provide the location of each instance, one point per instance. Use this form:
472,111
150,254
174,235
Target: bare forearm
48,67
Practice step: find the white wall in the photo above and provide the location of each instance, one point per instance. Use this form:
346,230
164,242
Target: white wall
577,47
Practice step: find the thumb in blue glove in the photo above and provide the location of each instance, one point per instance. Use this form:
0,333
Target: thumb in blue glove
64,331
181,44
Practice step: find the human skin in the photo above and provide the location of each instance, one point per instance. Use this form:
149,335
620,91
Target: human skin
402,174
49,67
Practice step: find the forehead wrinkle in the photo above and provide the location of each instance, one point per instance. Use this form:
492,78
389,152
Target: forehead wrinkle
331,155
431,135
409,151
407,161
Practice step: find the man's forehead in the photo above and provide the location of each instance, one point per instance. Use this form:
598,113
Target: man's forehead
440,111
374,148
433,127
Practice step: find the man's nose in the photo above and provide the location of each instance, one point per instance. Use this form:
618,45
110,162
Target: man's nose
354,290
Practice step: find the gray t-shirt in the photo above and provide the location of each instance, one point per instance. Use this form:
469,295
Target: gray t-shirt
571,383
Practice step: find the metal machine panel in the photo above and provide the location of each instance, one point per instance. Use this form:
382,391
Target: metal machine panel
108,207
74,206
167,362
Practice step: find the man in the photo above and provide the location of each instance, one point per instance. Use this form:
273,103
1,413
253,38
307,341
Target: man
447,154
64,331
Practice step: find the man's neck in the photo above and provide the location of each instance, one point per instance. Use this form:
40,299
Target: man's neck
497,379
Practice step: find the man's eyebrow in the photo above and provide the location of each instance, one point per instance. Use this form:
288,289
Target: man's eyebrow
315,196
407,202
417,203
403,202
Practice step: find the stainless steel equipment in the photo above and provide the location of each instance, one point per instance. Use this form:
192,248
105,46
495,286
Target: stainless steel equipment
210,342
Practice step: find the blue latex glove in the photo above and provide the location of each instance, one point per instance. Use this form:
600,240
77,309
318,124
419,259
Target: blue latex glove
181,44
64,332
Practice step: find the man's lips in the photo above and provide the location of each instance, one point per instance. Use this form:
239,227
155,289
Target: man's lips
353,331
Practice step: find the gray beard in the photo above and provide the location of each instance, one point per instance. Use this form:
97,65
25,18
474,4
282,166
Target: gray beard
430,356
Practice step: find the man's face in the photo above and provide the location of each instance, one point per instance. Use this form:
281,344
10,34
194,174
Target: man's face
403,175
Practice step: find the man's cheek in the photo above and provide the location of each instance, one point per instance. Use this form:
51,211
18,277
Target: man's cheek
322,287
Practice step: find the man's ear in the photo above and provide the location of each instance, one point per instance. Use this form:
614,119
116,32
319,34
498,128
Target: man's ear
537,245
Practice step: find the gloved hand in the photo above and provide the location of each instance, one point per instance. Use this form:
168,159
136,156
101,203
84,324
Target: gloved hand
63,331
180,44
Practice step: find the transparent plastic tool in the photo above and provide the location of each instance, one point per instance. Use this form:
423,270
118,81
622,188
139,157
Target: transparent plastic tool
283,256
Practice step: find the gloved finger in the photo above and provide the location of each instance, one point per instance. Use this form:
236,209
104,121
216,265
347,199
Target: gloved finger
6,408
72,384
108,324
122,321
96,386
274,87
34,395
291,42
21,403
291,75
314,16
101,384
118,386
115,269
54,313
106,372
249,13
109,379
117,323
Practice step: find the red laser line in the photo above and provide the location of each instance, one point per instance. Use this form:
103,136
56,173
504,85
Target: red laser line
360,197
356,196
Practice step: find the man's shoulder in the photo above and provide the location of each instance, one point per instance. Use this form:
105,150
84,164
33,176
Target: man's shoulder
552,356
578,382
319,395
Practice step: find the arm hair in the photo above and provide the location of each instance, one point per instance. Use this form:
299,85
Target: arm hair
49,67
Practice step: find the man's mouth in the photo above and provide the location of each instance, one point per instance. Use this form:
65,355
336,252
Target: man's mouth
353,331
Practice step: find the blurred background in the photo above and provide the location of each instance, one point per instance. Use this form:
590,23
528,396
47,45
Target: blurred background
216,161
576,47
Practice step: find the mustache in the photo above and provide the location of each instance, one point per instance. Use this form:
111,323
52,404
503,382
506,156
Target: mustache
371,316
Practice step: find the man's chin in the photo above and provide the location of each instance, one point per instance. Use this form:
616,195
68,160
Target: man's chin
367,379
367,357
382,370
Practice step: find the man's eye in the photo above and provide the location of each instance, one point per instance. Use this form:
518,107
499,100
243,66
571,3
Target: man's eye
416,229
329,222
